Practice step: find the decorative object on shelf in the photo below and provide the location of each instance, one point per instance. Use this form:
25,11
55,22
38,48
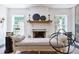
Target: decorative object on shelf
43,17
1,20
38,19
48,16
36,16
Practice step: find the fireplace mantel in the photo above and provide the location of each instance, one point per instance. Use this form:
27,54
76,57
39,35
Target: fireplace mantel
36,21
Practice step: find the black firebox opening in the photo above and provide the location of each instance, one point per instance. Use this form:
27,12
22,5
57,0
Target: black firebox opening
39,34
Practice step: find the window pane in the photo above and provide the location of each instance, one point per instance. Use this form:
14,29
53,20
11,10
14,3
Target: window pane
61,22
18,27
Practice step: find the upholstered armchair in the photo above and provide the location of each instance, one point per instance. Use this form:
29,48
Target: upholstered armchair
16,39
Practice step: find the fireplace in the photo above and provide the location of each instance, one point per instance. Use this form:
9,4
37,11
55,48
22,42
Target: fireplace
39,33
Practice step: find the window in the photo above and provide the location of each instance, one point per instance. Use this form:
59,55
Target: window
18,25
2,32
61,22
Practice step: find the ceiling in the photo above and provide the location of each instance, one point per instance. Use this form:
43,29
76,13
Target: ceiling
46,5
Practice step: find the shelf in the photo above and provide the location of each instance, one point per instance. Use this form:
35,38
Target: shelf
35,21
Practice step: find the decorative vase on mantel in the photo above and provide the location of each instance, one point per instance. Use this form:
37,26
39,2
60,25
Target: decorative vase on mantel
36,17
43,18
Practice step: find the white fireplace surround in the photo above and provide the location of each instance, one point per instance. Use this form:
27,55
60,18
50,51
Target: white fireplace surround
49,28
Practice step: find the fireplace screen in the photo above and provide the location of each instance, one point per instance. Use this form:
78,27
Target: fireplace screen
39,34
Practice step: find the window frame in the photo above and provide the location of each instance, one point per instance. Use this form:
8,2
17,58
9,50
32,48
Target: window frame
66,19
14,20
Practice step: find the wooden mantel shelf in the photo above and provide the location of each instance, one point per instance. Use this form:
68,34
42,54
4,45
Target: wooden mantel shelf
35,21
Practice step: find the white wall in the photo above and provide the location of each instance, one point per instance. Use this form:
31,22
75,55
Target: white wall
73,16
42,11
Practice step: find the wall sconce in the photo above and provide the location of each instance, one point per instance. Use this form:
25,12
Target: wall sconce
1,20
